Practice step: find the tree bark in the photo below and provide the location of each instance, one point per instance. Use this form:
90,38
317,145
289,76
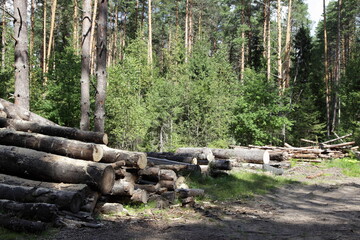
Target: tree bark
92,37
22,83
268,39
123,187
326,74
150,173
184,193
49,144
51,37
45,212
32,32
52,130
132,159
44,37
167,174
201,153
150,58
49,167
186,30
287,62
75,27
85,66
279,156
21,225
151,188
3,37
63,199
101,67
279,48
220,164
178,157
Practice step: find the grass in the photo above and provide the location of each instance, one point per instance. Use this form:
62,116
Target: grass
350,166
6,234
236,185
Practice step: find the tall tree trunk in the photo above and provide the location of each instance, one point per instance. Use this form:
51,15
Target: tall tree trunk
336,105
85,66
279,48
242,50
92,37
186,30
101,67
3,38
136,14
287,48
115,40
44,36
75,27
22,94
32,24
268,40
51,37
326,78
150,58
191,29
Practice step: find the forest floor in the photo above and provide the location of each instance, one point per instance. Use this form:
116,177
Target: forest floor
323,204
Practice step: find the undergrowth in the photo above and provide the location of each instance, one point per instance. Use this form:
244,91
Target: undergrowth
236,185
350,166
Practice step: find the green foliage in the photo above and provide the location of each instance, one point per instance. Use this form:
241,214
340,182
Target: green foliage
236,185
350,166
259,114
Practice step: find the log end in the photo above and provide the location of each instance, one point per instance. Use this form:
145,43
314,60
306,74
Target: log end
105,139
108,180
266,157
142,161
98,153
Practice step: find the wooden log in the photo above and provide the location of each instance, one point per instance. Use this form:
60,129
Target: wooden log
308,141
170,185
17,112
55,130
279,156
304,155
178,167
111,208
56,145
243,155
184,193
273,170
187,202
169,196
140,196
178,157
338,138
49,167
167,174
132,159
220,164
200,153
340,145
122,187
150,173
151,188
90,202
63,199
357,154
21,225
35,211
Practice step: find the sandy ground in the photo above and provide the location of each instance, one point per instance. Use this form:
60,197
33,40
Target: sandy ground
324,205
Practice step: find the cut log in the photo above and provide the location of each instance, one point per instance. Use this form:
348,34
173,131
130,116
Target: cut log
90,202
178,157
132,159
200,153
63,199
150,173
170,185
17,112
169,195
273,170
21,225
140,196
305,155
49,167
178,167
122,187
220,164
308,141
151,188
55,130
340,145
166,174
56,145
279,156
34,211
184,193
111,208
338,138
243,155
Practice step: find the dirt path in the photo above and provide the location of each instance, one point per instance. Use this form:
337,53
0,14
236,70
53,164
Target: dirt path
297,211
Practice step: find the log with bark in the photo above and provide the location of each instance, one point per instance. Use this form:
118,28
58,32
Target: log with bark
21,225
170,185
45,212
279,156
17,112
151,188
243,155
220,164
184,193
122,187
167,174
150,173
63,199
340,145
182,170
140,196
178,157
132,159
54,130
49,167
50,144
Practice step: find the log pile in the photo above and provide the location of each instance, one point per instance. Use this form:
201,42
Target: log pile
53,175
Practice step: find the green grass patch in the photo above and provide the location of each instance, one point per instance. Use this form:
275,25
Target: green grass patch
236,185
349,166
6,234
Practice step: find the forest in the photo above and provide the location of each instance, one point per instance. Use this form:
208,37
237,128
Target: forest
186,72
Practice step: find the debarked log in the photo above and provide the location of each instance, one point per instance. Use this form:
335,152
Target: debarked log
54,130
243,155
63,199
122,187
178,157
37,165
50,144
200,153
132,159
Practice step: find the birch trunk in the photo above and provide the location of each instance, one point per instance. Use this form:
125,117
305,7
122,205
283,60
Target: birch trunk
150,58
279,48
287,48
